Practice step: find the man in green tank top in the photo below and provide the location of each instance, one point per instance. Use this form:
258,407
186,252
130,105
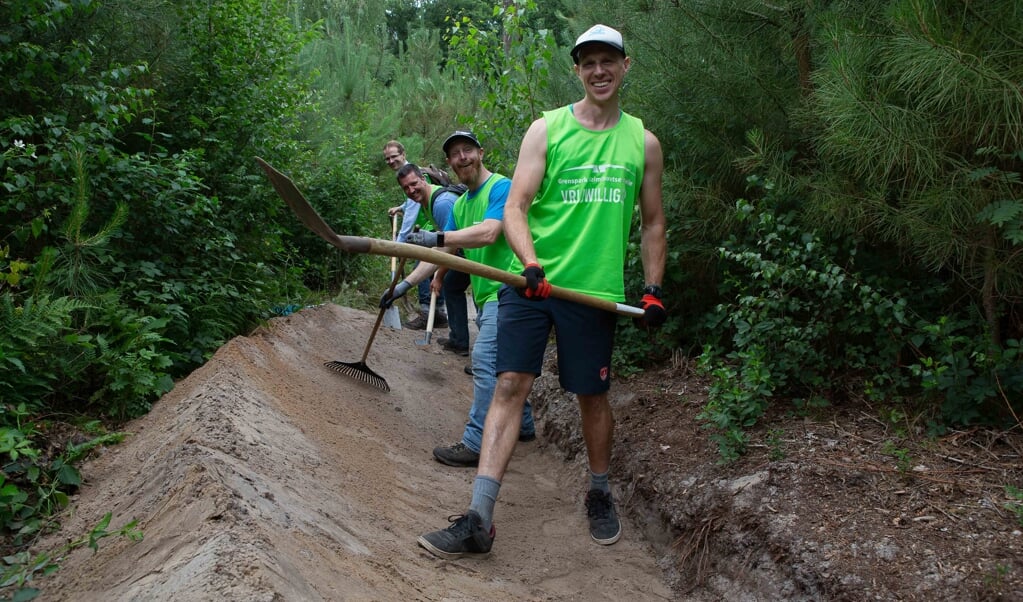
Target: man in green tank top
475,226
581,170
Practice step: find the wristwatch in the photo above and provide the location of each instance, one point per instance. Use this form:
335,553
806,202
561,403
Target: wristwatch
652,289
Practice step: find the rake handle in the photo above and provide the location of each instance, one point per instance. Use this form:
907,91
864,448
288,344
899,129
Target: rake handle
380,315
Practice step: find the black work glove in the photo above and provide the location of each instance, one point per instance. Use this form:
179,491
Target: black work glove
425,238
537,288
654,314
389,297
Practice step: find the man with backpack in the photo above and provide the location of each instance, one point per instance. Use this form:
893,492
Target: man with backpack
455,283
476,226
412,218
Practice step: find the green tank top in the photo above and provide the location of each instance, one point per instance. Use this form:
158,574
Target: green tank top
581,216
470,209
425,217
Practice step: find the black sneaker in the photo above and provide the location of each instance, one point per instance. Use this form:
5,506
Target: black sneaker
456,455
465,537
417,323
440,321
446,343
605,528
447,346
468,369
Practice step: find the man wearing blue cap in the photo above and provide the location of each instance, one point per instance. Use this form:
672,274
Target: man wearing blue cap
581,171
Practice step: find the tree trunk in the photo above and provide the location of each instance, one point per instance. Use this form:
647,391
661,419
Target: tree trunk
989,292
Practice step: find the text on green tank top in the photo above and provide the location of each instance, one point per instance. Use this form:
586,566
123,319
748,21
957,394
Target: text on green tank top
582,214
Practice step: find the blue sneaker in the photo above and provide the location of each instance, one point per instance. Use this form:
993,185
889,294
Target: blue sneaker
465,537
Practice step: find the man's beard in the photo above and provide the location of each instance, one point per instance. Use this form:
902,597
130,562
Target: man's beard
467,175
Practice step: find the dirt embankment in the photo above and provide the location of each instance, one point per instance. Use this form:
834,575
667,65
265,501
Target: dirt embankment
265,476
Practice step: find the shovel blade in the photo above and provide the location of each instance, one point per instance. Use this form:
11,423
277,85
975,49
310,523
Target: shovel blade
392,318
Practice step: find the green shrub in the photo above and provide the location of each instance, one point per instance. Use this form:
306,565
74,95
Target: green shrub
798,324
971,383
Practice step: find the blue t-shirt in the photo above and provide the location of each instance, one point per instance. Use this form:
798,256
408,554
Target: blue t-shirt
442,208
495,206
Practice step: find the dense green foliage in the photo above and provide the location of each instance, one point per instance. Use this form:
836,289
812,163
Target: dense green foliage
842,186
138,233
878,251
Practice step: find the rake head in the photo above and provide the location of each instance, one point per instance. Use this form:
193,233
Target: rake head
361,372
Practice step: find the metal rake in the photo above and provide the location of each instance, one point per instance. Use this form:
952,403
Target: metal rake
359,370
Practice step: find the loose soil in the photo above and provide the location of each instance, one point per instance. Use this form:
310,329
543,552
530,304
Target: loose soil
266,476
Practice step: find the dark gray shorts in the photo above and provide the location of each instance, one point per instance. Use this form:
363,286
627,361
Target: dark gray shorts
584,336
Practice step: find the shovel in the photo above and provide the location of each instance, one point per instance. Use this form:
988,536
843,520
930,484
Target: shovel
359,370
360,244
429,321
392,317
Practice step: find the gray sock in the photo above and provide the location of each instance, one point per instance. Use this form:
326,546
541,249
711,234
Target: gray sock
599,481
484,496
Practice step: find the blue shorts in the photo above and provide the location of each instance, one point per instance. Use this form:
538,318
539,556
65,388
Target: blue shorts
584,336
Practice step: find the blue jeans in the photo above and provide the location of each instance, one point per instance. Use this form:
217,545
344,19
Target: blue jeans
484,380
455,285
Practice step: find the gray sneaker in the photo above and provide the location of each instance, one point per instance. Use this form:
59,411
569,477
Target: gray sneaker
605,528
456,455
465,537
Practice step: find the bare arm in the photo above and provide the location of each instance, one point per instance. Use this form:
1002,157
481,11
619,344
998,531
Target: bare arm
529,172
422,272
475,236
653,242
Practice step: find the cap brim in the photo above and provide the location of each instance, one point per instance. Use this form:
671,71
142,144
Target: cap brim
451,140
576,50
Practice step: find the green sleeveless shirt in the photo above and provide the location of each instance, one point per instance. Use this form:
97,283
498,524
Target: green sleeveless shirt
581,216
470,209
425,217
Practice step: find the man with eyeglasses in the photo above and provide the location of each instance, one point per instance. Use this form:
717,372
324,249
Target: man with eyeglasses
394,156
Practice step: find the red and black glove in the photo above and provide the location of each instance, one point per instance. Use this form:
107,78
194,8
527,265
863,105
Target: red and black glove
537,288
653,309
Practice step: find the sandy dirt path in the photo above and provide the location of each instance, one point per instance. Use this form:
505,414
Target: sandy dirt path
265,476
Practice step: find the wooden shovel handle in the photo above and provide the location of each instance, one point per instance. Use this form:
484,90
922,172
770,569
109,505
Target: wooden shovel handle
358,244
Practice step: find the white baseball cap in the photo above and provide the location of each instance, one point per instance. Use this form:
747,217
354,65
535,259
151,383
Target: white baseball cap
598,34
